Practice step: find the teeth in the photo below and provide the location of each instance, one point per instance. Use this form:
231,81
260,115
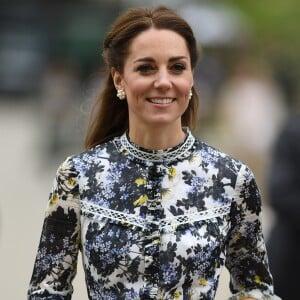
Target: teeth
161,101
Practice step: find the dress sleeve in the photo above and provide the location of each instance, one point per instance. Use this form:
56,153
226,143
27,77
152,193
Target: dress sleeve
246,257
56,260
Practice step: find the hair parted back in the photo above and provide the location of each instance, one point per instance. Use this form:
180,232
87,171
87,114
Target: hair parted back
109,116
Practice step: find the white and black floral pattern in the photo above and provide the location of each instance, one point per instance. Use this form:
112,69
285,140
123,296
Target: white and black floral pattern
157,225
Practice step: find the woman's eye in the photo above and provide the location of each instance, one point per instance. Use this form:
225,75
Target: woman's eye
145,69
178,68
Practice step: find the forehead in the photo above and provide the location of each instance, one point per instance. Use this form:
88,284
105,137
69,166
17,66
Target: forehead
153,42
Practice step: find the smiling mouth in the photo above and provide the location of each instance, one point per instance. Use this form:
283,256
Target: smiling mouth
161,100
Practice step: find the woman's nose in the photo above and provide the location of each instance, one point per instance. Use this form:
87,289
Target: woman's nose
163,80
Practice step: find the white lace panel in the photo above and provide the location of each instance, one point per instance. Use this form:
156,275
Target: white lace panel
169,223
158,155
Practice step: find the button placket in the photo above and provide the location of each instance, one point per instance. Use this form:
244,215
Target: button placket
152,233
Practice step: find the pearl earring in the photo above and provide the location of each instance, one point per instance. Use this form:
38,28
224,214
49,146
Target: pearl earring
121,94
190,95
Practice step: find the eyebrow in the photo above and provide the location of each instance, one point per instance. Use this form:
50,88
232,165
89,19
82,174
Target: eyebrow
150,59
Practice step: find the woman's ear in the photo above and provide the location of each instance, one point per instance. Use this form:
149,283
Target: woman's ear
117,78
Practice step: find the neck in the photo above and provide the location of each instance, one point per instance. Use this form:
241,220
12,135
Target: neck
157,138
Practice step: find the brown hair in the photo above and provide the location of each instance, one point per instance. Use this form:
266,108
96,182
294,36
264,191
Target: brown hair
110,115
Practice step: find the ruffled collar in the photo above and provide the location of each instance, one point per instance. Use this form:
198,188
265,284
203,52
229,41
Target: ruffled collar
180,151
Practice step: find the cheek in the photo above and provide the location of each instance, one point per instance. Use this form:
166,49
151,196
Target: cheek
136,87
186,83
186,86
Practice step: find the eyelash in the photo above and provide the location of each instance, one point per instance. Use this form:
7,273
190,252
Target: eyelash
147,69
178,67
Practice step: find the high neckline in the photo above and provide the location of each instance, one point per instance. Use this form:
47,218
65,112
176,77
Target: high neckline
181,150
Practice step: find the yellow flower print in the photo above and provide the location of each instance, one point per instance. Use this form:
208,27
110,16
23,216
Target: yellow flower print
71,181
127,224
177,294
203,281
53,199
141,200
140,181
257,279
172,172
164,192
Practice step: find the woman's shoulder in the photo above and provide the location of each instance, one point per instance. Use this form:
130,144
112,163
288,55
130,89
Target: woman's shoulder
89,157
216,158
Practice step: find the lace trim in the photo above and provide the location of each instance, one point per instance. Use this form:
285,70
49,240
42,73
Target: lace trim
158,155
103,212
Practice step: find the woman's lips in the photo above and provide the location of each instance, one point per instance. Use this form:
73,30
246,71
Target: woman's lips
161,100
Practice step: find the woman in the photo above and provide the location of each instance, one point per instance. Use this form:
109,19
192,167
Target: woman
155,211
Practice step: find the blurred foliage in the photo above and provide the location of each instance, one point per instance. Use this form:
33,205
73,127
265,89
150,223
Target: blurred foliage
276,39
275,23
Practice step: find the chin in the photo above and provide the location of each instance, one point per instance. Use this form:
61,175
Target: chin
162,122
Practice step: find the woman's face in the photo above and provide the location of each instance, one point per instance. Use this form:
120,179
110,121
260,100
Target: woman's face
157,79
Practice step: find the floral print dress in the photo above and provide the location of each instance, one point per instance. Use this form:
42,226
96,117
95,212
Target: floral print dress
152,225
